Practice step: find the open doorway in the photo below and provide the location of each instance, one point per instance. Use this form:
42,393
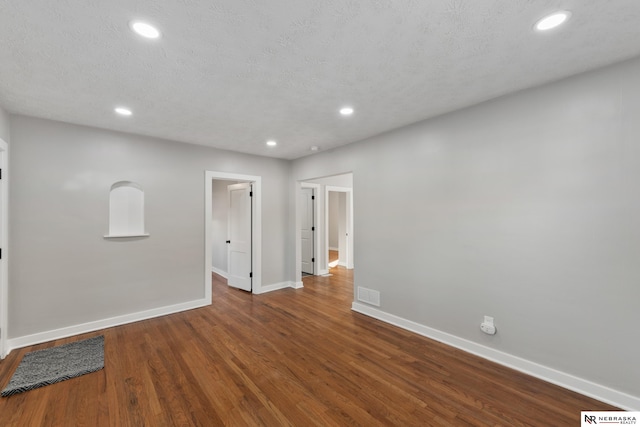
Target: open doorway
233,230
340,189
334,220
339,228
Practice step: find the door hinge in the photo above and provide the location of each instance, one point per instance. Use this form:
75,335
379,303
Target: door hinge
250,275
313,197
250,193
0,173
0,253
313,229
313,260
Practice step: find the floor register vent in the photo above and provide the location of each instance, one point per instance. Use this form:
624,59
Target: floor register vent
369,296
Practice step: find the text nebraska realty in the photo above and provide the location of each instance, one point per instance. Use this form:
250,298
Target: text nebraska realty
610,419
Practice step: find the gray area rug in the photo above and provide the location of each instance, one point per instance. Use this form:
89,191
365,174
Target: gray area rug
52,365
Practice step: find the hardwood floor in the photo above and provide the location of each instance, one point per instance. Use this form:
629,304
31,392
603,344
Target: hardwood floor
291,357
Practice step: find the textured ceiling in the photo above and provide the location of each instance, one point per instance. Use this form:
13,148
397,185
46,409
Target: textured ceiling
234,73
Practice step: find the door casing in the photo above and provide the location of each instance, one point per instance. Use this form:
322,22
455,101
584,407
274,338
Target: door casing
256,224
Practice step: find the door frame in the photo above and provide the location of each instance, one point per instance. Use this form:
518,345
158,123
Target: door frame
316,222
256,225
4,244
349,196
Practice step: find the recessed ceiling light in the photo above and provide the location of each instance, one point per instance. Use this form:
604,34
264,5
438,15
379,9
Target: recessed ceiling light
553,20
272,143
346,111
123,111
314,148
145,30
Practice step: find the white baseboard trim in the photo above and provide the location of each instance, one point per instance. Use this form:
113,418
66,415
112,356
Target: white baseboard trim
297,285
333,249
219,272
562,379
40,337
342,264
278,286
323,271
274,287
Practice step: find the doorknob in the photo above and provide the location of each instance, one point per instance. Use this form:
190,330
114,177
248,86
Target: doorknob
228,241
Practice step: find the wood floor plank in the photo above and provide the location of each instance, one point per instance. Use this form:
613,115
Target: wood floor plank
293,357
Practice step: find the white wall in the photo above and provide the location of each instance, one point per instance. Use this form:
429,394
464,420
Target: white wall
64,273
4,125
526,209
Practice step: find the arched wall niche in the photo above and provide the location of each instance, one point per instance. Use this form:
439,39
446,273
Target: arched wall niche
126,210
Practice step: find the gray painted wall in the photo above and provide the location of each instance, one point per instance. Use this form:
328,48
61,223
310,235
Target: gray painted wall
344,180
4,125
525,208
63,272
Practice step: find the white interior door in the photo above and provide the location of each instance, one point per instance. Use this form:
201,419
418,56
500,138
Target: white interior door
239,236
307,228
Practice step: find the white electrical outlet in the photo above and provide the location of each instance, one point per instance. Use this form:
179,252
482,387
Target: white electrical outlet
487,326
488,329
